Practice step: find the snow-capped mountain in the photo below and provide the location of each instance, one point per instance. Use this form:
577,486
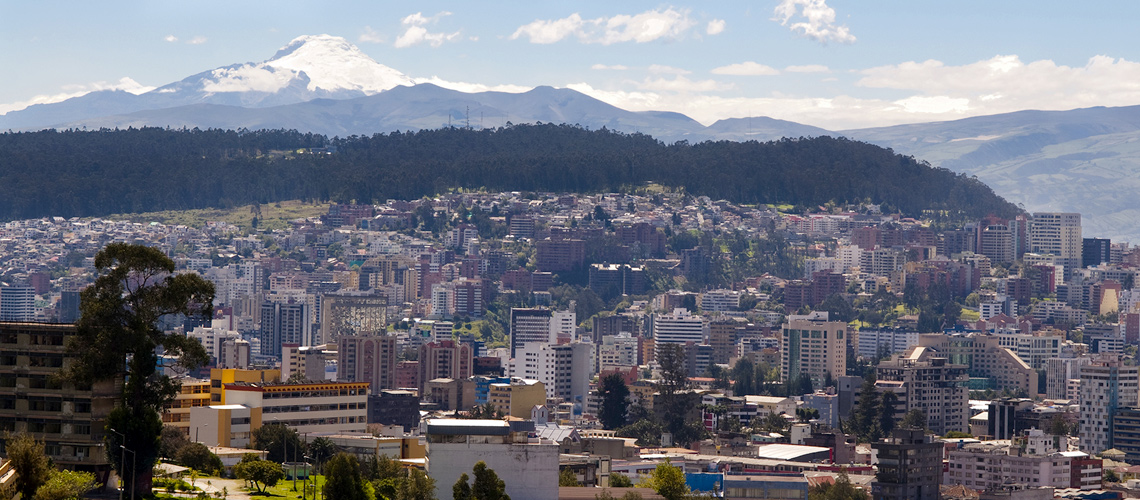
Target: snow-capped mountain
309,67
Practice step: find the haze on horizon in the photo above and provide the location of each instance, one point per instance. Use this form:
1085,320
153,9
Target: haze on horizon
836,64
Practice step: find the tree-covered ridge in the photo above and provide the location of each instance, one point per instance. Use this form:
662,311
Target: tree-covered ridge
82,173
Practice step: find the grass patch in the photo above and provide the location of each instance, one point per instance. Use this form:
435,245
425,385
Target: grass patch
284,488
273,215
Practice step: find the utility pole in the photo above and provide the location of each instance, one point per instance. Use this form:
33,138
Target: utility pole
122,461
134,465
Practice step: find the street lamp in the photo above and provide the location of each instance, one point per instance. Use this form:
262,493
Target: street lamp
134,465
122,462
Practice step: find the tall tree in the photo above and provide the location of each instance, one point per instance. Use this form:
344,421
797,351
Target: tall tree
461,490
668,481
119,337
615,401
417,485
31,464
343,480
914,419
280,441
487,485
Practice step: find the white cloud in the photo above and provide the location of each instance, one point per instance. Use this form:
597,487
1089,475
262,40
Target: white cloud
198,40
615,67
818,20
661,69
749,68
415,32
69,91
248,77
370,36
808,68
669,24
170,38
472,87
715,27
939,104
682,84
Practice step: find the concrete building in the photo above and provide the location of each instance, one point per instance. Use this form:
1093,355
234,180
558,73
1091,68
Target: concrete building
1036,459
529,471
191,394
618,351
891,341
813,346
910,467
565,369
344,315
212,339
1059,372
17,303
69,418
1106,386
1058,234
306,407
930,384
996,366
394,407
445,359
516,398
235,353
284,323
369,359
678,327
723,334
307,363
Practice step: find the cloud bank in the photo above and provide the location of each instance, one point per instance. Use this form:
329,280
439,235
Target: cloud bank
668,24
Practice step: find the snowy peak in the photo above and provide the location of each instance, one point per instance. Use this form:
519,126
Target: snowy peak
322,65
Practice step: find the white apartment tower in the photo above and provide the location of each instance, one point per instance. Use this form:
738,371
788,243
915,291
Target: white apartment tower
813,346
1058,234
1106,385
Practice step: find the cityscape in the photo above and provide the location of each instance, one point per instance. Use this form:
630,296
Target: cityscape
598,336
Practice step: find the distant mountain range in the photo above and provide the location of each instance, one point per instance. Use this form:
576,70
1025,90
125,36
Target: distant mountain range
1083,160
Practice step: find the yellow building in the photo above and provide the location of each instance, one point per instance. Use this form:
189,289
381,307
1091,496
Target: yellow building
219,377
518,397
192,394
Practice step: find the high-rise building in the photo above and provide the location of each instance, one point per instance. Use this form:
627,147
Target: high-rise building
811,345
1106,385
565,369
69,418
1096,251
931,385
17,303
1058,373
284,323
1058,234
369,359
346,315
541,325
996,242
678,327
69,306
910,467
445,359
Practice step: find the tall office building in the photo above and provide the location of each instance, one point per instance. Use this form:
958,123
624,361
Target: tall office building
69,306
565,369
678,327
369,359
284,323
541,325
910,467
1058,234
352,314
931,385
445,359
1106,385
813,346
17,303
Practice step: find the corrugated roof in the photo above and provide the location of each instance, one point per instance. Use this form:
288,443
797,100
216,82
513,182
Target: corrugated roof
788,451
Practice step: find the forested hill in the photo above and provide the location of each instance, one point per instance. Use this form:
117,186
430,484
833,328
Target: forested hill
81,173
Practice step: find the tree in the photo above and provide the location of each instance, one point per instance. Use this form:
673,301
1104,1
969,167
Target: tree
260,473
65,485
914,419
1058,426
619,480
199,457
668,481
1110,476
343,480
172,440
615,401
417,485
31,464
887,412
118,337
282,442
841,489
321,449
487,485
566,477
461,490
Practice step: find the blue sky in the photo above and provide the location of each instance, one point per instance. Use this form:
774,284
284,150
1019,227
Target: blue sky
831,63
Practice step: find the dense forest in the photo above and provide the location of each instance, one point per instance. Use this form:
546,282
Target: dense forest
91,173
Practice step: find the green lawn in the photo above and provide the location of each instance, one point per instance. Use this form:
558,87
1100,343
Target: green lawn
284,489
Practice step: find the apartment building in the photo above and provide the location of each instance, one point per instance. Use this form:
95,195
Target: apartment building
813,346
